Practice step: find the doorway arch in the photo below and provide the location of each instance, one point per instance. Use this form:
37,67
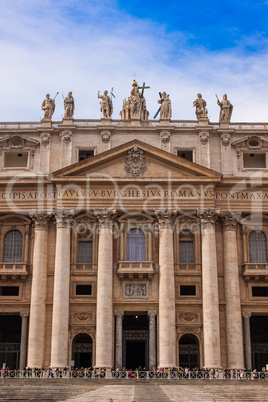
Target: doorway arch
82,351
189,352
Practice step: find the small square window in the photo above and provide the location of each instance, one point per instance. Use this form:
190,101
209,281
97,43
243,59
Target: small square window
83,290
254,161
188,290
85,154
9,290
185,154
260,291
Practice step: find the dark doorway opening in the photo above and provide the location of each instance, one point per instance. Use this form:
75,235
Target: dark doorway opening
82,351
135,340
259,341
189,352
10,331
135,354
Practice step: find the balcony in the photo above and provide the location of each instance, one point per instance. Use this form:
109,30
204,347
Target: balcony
188,268
14,271
83,268
255,271
135,269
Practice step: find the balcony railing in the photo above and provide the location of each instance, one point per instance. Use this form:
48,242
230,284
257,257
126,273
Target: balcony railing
135,269
189,266
84,267
256,271
9,270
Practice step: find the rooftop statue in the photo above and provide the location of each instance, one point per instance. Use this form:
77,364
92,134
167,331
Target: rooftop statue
165,110
226,109
135,106
69,105
200,108
48,106
106,104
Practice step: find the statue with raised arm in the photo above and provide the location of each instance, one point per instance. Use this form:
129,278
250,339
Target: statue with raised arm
48,106
226,109
200,108
106,104
165,102
69,105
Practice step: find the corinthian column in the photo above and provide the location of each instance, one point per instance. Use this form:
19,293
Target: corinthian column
60,316
104,319
152,340
211,320
234,331
37,325
167,326
118,338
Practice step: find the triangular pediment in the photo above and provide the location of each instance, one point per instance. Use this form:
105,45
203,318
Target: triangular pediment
136,160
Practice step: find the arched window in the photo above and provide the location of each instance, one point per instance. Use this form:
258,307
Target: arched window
257,247
12,251
135,245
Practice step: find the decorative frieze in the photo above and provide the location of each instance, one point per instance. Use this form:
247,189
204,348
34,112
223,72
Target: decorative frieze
83,316
189,317
135,290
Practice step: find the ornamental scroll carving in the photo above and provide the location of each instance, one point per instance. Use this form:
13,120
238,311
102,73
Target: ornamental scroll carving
45,139
105,136
83,316
66,137
189,317
135,290
204,137
165,137
135,162
225,139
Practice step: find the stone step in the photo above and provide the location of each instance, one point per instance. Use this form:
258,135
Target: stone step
150,393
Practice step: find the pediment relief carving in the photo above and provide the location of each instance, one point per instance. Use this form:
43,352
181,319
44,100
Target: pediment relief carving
251,142
18,142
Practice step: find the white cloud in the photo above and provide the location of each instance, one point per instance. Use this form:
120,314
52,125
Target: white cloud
46,47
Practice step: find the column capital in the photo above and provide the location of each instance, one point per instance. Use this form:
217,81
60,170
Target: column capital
63,218
119,314
105,216
208,217
165,217
41,219
152,313
229,220
24,314
246,314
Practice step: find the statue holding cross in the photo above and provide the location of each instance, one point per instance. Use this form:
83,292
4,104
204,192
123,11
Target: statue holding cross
165,108
135,107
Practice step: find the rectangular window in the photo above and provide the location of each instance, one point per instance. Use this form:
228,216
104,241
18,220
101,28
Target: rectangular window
185,154
9,290
188,290
254,161
16,159
85,154
85,252
260,291
83,290
186,252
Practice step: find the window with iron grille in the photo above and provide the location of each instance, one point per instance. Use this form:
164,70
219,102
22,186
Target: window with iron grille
186,252
85,252
257,247
12,251
135,245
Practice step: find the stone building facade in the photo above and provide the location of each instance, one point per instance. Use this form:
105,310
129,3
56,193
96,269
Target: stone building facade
134,242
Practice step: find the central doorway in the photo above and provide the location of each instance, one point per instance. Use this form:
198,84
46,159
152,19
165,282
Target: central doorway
135,341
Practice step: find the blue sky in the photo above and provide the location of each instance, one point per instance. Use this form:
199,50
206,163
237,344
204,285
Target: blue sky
181,47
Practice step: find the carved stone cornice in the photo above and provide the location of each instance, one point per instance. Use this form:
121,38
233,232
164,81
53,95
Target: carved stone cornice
229,221
105,216
165,217
41,219
63,218
45,139
66,137
152,314
208,217
119,314
246,314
